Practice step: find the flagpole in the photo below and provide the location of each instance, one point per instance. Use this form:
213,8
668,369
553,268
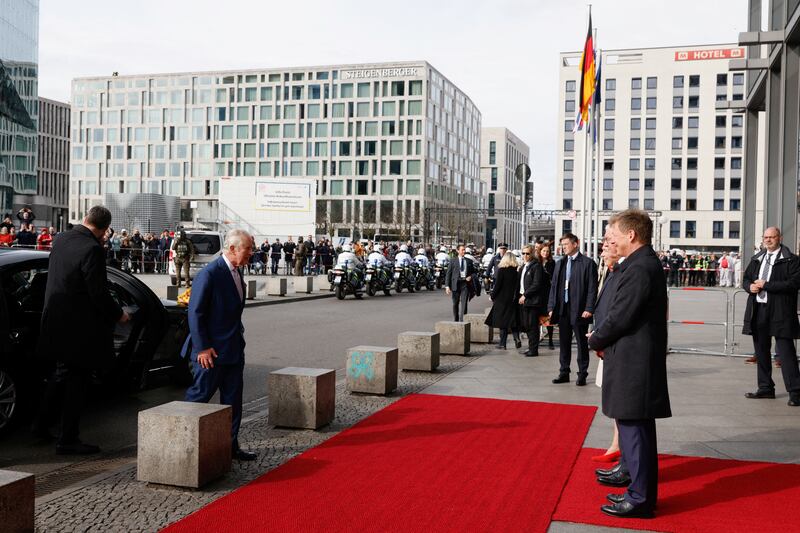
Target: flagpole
587,172
598,172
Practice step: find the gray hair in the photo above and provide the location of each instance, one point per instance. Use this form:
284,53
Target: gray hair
238,238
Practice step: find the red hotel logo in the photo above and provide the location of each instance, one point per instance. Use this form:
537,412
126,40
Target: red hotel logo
701,55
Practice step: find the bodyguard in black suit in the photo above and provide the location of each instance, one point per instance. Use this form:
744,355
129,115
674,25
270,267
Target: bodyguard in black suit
533,292
458,282
77,325
632,340
772,279
571,306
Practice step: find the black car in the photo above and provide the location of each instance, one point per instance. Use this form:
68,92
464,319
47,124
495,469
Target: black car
150,342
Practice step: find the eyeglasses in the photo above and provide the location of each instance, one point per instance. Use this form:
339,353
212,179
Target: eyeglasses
526,253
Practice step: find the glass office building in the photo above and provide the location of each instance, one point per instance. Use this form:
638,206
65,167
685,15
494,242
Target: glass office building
19,105
387,143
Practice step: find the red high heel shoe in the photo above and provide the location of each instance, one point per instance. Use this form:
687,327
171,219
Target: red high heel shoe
607,458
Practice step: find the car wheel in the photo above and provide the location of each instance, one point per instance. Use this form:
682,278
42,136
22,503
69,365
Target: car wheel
9,399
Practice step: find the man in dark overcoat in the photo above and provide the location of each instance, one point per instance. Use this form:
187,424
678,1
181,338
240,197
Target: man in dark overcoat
772,280
458,282
77,325
632,339
571,306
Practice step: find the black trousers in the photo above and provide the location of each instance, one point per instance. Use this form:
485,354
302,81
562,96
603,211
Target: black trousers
566,329
66,390
530,324
784,347
275,260
638,445
674,278
460,298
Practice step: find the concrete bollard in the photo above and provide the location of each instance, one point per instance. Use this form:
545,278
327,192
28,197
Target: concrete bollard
184,444
418,350
173,291
454,337
276,286
372,369
478,331
304,284
17,496
251,289
302,397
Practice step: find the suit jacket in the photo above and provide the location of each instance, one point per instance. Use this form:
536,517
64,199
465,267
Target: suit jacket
608,283
582,288
79,313
454,272
215,315
782,287
536,283
633,335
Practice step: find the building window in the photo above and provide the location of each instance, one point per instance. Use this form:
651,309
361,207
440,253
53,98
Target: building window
651,102
690,229
691,184
608,144
677,123
677,143
675,204
674,228
737,121
633,184
650,143
611,84
611,104
569,165
691,143
736,163
649,184
719,205
677,102
719,184
570,86
736,184
719,142
608,164
738,79
694,122
736,142
733,229
636,144
694,80
691,163
649,204
652,83
677,81
608,185
567,185
636,104
720,121
636,124
569,106
494,178
636,83
650,124
569,145
566,203
719,162
633,203
677,163
566,226
633,164
722,81
650,164
492,152
717,229
694,102
610,124
735,204
608,204
675,184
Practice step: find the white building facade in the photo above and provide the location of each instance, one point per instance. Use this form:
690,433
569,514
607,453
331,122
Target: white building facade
501,152
663,145
385,144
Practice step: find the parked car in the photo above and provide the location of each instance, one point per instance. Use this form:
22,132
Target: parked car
150,342
208,245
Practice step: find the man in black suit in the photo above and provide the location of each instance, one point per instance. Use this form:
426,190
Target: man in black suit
632,340
77,325
533,292
571,305
772,279
458,282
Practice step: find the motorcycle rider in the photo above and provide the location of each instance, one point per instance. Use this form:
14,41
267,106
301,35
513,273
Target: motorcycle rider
376,258
403,258
442,258
422,258
476,282
487,258
347,258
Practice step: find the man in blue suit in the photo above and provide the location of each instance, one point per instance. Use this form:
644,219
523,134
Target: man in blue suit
216,341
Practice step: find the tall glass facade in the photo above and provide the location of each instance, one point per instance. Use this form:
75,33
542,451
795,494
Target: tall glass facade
383,142
19,105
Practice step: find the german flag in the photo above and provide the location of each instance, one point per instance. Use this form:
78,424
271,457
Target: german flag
587,67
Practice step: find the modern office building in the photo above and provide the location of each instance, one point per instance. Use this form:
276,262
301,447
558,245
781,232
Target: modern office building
772,121
19,105
392,147
52,193
664,145
501,152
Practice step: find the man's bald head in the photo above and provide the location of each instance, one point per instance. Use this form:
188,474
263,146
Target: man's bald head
772,238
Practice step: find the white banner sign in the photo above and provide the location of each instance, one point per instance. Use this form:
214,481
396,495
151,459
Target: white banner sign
283,196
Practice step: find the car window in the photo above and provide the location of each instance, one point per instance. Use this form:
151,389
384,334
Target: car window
24,289
205,244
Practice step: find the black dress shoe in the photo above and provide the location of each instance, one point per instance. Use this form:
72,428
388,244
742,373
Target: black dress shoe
242,455
77,448
615,498
518,344
760,394
794,400
528,353
563,378
627,510
617,479
580,382
608,471
551,346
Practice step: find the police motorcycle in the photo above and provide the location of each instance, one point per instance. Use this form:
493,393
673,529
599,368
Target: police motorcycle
424,274
440,265
404,274
476,282
483,272
378,276
348,274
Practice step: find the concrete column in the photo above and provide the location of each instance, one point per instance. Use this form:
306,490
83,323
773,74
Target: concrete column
749,233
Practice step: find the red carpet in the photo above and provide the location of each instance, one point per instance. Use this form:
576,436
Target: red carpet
695,494
425,463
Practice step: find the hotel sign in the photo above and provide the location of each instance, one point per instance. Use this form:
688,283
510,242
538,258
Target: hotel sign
379,73
702,55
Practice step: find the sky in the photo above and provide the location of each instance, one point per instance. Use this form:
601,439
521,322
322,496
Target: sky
502,53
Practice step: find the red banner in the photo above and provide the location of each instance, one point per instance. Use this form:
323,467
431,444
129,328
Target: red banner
703,55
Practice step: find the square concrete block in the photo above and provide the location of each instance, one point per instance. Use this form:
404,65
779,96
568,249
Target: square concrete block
304,284
17,495
276,286
251,289
302,397
418,350
453,337
173,291
478,331
185,444
372,369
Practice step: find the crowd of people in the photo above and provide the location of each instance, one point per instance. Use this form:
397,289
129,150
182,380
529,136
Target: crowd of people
702,270
25,235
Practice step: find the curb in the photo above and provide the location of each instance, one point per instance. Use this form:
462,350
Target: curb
287,300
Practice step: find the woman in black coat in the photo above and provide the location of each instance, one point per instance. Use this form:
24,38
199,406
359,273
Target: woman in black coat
505,309
546,255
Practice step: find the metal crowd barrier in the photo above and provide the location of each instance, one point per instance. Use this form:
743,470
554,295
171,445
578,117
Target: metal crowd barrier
723,324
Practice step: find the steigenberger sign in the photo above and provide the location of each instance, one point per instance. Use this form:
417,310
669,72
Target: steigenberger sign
379,73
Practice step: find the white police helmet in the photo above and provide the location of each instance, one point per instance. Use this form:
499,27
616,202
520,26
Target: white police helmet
468,250
443,249
421,251
404,248
377,248
489,250
347,248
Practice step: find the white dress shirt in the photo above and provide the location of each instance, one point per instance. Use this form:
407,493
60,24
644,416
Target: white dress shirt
522,278
770,257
